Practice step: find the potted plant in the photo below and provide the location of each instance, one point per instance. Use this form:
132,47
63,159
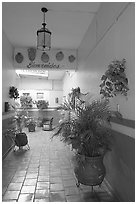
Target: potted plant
31,125
42,104
13,92
87,129
26,102
16,134
114,81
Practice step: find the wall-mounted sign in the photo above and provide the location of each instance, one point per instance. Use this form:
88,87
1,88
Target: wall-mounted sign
53,59
49,65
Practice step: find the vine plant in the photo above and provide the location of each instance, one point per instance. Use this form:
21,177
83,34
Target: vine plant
13,92
114,81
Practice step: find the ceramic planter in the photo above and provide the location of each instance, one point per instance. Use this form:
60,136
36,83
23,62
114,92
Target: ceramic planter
74,143
89,170
31,127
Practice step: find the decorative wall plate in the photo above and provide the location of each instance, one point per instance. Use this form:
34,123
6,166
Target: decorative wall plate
31,54
45,57
71,58
59,56
19,57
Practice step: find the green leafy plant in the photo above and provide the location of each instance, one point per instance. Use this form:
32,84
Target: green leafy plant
114,81
89,128
13,92
42,104
71,102
26,102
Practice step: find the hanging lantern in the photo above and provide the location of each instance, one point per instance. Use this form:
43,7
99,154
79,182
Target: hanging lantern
43,35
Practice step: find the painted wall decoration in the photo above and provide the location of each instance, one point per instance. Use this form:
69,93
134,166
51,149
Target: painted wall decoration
31,54
19,57
64,59
71,58
59,56
44,57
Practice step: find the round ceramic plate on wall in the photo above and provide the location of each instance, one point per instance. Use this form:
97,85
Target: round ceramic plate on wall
19,57
45,57
59,56
71,58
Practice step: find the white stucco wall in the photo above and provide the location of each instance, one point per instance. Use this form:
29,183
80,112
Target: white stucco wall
118,43
8,72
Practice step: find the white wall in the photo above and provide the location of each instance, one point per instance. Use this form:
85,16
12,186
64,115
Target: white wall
52,89
118,43
113,33
8,72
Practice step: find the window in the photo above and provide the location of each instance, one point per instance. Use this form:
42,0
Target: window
40,95
26,94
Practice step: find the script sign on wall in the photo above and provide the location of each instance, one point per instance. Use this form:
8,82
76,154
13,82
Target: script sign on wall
53,59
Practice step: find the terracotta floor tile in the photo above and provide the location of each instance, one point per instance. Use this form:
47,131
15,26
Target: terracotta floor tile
39,194
4,190
45,173
89,197
14,187
43,178
68,183
42,185
73,198
28,189
56,187
10,195
33,171
12,200
33,166
56,180
30,182
71,191
68,177
31,175
55,174
57,197
17,179
42,200
28,197
20,173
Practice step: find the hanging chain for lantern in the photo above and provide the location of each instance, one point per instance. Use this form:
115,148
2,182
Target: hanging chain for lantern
44,35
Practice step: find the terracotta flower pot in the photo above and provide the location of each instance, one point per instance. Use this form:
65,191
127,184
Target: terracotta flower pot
90,170
31,127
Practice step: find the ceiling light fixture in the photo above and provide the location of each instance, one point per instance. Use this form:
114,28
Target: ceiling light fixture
44,35
38,73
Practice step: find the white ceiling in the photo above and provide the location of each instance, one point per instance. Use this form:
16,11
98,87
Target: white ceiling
68,22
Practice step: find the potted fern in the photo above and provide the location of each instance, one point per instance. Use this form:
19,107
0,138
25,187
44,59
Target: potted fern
87,129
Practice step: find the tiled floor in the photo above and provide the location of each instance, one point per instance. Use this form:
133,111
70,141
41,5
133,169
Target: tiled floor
45,174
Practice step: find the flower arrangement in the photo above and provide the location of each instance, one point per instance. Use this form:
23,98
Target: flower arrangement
13,92
114,81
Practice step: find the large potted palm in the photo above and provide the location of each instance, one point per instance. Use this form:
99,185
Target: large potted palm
87,129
